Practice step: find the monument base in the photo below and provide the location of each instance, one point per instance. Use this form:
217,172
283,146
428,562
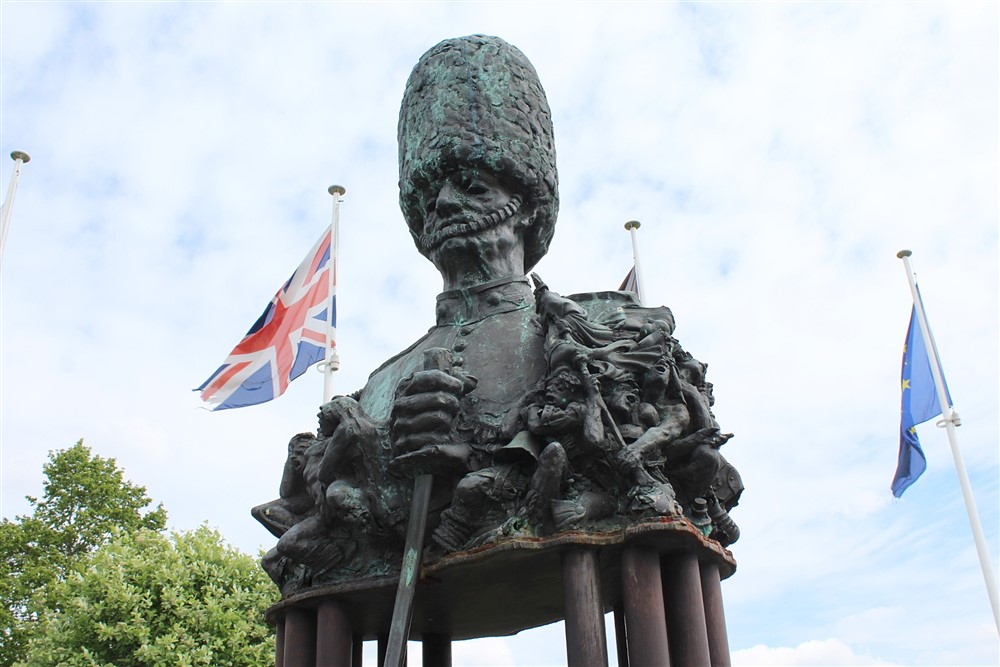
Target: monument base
661,568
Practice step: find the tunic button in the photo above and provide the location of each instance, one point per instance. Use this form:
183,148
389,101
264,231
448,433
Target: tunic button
457,361
465,331
460,346
493,299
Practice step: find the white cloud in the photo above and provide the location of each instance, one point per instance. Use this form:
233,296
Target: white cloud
831,652
489,652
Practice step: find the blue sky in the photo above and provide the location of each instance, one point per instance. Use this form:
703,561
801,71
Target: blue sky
777,154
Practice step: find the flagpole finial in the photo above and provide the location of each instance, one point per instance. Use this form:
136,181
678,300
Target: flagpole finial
20,155
632,224
337,190
903,253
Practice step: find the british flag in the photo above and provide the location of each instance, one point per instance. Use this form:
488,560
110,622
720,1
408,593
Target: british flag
631,283
289,336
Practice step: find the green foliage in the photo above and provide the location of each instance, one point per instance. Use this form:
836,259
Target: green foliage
86,499
147,599
86,502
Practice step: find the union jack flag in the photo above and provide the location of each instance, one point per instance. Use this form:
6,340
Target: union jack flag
631,283
289,336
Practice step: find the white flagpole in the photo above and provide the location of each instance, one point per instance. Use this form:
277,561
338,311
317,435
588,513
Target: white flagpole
631,226
332,363
950,420
20,158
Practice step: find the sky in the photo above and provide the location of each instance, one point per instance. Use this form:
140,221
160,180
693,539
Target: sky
778,155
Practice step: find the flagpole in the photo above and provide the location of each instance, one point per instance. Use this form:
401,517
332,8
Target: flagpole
20,158
332,364
632,226
950,419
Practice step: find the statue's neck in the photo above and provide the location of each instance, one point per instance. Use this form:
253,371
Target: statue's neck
468,272
467,305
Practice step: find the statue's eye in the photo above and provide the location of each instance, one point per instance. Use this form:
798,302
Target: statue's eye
471,184
475,188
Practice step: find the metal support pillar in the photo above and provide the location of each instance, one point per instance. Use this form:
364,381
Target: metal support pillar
334,640
436,650
279,643
300,638
645,621
357,651
383,647
586,644
621,638
715,616
685,609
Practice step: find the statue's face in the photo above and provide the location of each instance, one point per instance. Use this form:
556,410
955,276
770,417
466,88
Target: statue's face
466,206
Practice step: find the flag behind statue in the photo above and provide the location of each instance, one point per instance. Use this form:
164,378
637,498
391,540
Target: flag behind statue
630,284
922,377
919,404
289,336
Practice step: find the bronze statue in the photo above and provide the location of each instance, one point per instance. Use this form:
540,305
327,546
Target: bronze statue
535,413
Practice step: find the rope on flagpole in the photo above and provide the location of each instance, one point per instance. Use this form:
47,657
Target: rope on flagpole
20,158
950,420
332,362
632,226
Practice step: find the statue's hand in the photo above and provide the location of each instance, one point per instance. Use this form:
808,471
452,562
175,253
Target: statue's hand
426,407
556,420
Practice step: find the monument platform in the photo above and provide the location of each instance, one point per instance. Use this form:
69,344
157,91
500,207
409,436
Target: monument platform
507,586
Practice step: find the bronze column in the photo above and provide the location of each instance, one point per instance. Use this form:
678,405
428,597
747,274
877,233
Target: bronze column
300,638
357,651
436,650
279,643
621,638
645,622
715,616
586,644
334,641
383,647
685,610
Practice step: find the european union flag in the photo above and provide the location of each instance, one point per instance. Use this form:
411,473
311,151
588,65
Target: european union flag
920,403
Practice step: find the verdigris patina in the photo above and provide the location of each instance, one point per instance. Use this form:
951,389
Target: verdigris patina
535,413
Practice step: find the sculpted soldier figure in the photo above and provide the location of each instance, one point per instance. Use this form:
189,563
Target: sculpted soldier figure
534,412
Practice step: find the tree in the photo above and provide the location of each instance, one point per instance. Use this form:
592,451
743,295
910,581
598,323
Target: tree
148,599
86,502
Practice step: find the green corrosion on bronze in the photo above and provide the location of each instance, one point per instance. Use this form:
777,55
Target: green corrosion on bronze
475,103
410,566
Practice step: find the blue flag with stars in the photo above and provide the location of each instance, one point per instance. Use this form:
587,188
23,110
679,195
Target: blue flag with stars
920,403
